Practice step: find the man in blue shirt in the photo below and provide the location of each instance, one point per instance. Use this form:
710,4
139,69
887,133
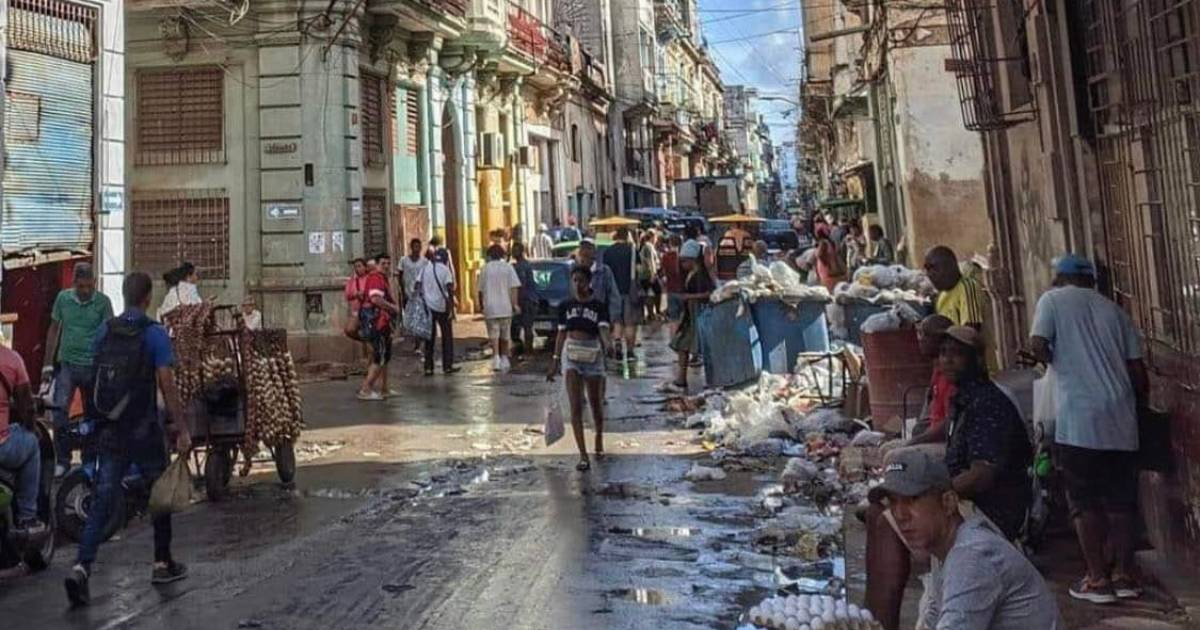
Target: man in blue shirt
130,430
1100,384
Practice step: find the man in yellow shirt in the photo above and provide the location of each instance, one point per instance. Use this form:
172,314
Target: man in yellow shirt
960,297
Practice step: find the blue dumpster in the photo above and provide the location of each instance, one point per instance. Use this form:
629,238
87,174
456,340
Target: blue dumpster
785,331
729,342
858,311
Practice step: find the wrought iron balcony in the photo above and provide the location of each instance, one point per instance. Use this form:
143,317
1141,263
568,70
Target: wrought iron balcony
533,39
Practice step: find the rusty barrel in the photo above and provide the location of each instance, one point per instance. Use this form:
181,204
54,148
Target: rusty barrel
894,365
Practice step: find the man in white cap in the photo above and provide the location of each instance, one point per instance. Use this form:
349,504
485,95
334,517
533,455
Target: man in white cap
984,582
543,245
1100,384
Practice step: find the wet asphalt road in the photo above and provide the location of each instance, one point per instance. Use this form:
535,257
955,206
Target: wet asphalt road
428,538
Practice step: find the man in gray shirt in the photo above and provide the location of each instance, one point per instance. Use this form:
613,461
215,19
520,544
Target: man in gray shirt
984,582
1100,383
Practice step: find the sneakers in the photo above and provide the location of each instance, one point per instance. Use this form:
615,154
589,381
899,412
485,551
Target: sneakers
370,396
1100,592
169,572
77,586
505,364
497,363
1126,587
29,528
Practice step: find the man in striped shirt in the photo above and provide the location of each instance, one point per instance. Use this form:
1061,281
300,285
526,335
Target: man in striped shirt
960,298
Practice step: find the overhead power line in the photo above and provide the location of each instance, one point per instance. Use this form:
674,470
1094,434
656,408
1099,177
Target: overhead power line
755,36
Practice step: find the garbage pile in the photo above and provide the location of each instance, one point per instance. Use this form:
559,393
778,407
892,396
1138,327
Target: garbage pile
886,284
776,281
804,612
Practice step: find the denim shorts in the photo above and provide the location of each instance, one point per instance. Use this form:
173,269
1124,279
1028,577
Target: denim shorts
587,370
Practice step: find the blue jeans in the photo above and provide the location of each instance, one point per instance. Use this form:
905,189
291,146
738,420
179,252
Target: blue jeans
118,449
67,379
20,453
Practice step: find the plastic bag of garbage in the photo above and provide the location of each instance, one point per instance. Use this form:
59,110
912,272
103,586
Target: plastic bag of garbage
555,426
704,473
798,473
882,322
824,420
868,438
173,490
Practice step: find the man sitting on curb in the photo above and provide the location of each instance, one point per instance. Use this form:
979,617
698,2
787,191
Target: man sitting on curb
984,582
988,452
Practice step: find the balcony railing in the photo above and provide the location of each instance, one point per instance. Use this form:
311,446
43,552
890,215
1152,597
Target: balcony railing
455,8
535,40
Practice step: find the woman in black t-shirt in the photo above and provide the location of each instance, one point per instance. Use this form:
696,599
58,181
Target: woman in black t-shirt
697,286
583,339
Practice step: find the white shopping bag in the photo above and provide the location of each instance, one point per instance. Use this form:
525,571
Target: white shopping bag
555,426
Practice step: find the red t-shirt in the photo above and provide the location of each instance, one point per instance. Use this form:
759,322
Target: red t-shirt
13,370
670,268
377,284
941,392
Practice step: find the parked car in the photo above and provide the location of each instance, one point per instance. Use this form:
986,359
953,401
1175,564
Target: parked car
552,283
779,235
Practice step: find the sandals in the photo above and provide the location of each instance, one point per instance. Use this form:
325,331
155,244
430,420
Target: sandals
583,465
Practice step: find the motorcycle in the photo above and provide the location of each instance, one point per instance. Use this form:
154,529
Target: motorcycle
76,491
15,549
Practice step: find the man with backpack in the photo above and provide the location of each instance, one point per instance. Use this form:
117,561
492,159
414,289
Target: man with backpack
133,359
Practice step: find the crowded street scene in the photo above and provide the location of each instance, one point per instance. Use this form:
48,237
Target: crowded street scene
582,314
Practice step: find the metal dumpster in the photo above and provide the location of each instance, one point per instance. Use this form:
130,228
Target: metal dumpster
729,343
786,330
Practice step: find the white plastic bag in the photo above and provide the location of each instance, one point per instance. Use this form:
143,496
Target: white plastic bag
1044,409
554,427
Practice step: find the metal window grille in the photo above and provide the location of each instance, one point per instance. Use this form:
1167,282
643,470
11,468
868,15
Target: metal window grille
412,116
373,99
1142,59
170,226
53,27
181,116
976,59
374,222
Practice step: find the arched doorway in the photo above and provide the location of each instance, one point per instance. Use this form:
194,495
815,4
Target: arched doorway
452,200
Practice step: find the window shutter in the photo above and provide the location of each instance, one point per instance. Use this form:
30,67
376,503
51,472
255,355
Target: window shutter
181,116
412,116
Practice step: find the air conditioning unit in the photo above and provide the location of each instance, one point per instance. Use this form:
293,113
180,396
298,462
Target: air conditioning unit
491,150
526,157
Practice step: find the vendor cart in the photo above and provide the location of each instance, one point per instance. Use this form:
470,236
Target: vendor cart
216,372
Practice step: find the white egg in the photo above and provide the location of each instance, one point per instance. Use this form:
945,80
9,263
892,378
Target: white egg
827,617
865,615
817,624
853,610
802,616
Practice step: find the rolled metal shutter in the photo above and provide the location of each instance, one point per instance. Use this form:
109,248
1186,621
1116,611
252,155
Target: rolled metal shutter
48,184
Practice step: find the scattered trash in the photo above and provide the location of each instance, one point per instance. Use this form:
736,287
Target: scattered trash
798,473
370,454
868,438
704,473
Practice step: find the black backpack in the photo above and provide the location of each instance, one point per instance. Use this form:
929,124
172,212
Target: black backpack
124,389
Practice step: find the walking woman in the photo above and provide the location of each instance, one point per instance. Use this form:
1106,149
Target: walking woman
831,267
697,286
583,338
181,288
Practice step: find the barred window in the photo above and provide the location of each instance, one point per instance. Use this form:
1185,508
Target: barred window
373,97
374,218
171,226
181,116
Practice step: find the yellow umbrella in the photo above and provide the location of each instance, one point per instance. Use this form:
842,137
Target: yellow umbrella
737,218
614,222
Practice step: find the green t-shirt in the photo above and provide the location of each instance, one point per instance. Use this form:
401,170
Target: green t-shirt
79,322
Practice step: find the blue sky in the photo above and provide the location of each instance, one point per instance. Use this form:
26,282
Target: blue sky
745,41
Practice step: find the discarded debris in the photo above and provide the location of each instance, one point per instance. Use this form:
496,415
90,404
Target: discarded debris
704,473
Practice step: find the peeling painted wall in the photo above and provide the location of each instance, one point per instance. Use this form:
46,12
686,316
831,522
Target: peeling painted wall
940,162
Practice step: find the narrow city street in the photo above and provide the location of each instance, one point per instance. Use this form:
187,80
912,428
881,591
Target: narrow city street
441,509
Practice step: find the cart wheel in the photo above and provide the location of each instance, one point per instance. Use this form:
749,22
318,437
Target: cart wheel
231,455
215,477
285,461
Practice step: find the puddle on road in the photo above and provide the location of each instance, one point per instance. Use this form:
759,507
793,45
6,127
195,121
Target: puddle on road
656,533
644,596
